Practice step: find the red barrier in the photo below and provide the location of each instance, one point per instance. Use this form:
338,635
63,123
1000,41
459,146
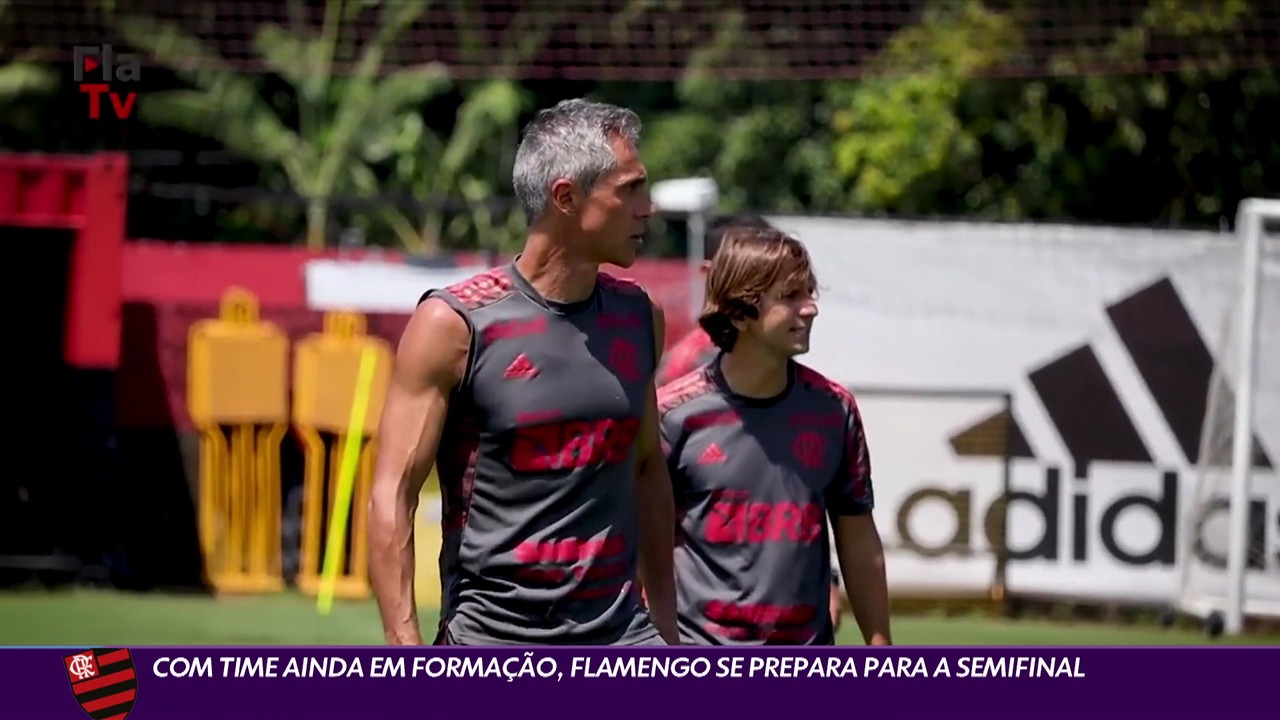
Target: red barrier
168,286
175,273
161,272
86,195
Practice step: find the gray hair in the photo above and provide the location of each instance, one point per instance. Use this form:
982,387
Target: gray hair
572,140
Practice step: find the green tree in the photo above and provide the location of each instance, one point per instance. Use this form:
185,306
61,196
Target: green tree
318,153
1181,147
469,163
465,165
461,173
764,142
23,76
931,131
901,139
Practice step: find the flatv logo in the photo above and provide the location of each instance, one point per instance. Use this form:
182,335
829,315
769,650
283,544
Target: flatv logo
104,682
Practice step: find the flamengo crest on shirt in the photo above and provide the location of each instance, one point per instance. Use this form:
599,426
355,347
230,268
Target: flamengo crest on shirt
103,682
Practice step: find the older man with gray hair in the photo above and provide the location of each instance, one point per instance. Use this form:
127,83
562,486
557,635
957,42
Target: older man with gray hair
530,388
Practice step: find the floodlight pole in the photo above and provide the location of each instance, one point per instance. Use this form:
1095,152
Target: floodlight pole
697,253
695,197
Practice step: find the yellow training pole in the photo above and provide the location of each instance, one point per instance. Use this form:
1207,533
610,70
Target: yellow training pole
346,481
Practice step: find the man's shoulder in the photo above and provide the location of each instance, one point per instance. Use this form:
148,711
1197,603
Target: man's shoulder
478,290
826,389
621,286
679,394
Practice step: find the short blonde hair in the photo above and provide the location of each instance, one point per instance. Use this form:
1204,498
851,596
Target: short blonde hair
749,264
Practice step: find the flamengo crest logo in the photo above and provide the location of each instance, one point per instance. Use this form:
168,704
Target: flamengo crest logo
1082,403
103,682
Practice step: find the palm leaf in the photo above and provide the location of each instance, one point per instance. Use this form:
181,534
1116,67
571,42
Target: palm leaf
296,59
410,87
494,105
392,124
243,124
358,98
185,54
20,78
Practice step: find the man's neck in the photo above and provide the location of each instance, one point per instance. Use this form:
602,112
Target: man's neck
553,270
753,373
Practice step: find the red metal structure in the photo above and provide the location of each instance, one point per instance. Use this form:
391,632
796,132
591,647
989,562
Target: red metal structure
85,194
104,328
63,220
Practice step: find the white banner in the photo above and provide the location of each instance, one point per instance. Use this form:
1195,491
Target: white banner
1105,340
933,528
375,287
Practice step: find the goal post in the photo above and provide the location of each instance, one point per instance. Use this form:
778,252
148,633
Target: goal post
1231,569
1251,221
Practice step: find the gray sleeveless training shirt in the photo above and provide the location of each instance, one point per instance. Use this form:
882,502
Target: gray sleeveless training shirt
537,466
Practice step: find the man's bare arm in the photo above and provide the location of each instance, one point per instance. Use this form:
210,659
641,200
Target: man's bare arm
861,555
430,361
656,509
835,606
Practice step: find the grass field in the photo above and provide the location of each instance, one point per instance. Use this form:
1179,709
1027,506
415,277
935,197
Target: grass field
79,618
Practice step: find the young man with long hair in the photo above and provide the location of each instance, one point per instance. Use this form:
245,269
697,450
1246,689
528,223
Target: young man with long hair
696,349
769,460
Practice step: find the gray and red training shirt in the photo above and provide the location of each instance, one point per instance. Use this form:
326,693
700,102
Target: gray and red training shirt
755,482
537,465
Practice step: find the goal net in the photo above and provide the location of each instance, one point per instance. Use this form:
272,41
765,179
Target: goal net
1230,554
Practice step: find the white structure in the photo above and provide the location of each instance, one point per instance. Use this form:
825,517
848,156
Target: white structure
696,198
1227,472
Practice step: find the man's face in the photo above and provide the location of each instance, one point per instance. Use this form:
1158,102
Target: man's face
786,316
615,212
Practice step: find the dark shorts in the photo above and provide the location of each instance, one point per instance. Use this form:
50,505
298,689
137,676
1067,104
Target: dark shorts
444,637
655,639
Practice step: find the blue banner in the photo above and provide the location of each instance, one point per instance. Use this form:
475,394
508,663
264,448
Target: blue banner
191,683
